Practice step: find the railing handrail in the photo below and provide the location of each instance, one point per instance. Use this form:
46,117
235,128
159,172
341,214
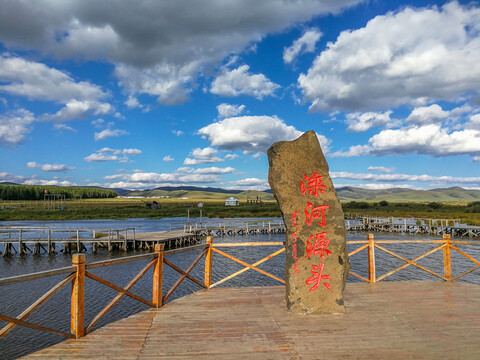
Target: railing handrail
78,272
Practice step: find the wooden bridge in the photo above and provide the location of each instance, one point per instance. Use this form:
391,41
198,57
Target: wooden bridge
37,240
424,320
413,226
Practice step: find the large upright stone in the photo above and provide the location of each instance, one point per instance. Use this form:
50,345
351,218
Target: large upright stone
316,256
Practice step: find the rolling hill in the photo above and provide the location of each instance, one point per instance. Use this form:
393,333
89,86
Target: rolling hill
348,193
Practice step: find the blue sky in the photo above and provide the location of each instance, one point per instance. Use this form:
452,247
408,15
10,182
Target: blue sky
144,94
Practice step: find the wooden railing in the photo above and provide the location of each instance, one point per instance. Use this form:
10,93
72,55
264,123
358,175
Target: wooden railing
79,271
446,245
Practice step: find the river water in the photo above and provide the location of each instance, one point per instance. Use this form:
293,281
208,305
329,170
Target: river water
55,313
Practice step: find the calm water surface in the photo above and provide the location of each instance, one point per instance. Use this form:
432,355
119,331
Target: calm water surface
56,312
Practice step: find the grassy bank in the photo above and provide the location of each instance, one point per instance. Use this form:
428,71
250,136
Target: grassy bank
136,208
130,208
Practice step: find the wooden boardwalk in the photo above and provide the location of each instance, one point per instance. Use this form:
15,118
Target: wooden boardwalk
387,320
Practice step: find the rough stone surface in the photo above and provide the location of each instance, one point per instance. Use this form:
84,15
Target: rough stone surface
316,256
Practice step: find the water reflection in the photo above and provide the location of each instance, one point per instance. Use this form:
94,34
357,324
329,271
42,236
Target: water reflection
56,312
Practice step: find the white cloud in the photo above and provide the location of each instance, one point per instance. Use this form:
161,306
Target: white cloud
168,158
363,121
231,156
49,182
177,132
140,179
240,82
426,140
131,151
63,127
411,57
132,102
228,110
251,184
14,126
405,178
37,81
103,155
75,109
381,169
98,123
473,122
427,115
202,156
8,177
214,170
109,133
305,44
252,133
158,48
50,167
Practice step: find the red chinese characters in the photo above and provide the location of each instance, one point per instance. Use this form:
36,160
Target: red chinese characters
319,247
314,213
317,277
312,184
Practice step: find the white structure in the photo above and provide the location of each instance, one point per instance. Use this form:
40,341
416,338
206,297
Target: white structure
231,201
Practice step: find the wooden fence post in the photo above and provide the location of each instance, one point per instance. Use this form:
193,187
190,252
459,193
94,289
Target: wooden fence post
208,262
157,293
371,258
78,297
447,257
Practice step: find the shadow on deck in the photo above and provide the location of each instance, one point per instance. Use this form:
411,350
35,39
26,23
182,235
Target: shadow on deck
419,320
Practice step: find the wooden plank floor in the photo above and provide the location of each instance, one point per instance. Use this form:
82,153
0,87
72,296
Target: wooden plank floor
387,320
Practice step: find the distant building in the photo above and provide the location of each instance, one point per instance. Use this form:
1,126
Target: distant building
231,201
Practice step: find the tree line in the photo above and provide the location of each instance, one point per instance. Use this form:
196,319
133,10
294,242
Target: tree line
37,192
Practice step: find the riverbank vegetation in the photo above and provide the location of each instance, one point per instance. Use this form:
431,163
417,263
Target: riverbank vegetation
120,208
37,192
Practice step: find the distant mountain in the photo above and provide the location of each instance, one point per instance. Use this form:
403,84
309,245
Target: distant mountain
451,194
198,193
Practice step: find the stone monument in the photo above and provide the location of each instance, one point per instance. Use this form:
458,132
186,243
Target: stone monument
316,255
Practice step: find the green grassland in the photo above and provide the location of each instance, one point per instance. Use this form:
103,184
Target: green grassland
120,208
132,208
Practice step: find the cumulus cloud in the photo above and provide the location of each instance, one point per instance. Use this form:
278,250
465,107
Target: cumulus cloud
49,182
473,122
252,133
228,110
177,132
9,177
132,102
426,140
37,81
168,158
141,180
14,126
405,178
363,121
240,82
109,133
305,44
231,156
427,115
76,109
107,154
381,169
251,184
63,127
202,156
50,167
410,57
158,48
214,170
